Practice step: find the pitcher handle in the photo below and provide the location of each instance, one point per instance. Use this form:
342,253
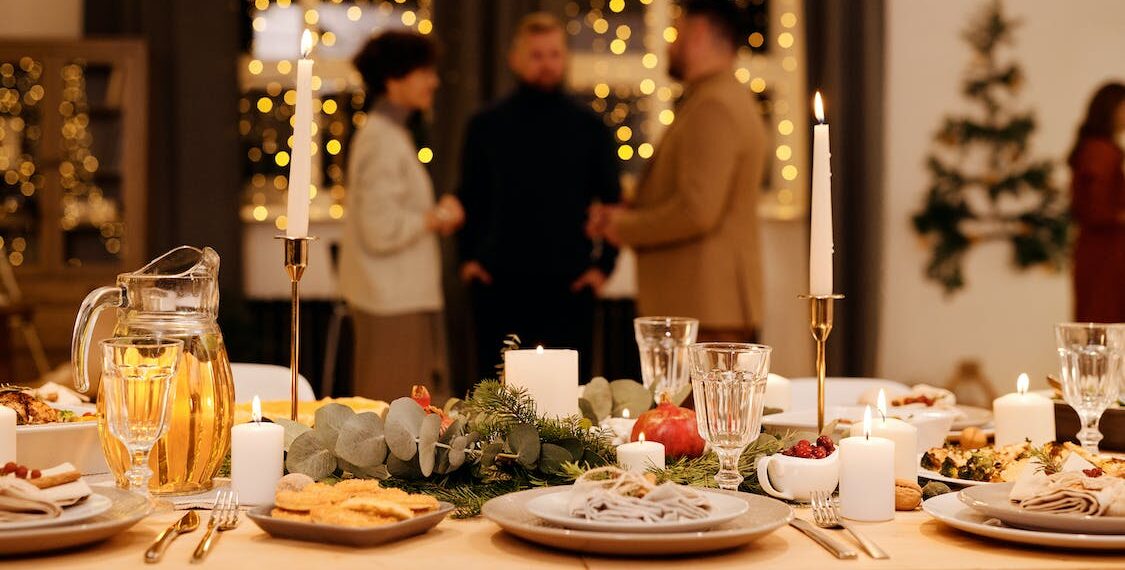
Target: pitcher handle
98,299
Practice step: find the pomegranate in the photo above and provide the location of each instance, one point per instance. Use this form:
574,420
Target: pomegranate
673,426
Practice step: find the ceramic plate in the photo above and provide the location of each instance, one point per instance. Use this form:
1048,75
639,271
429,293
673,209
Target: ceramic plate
552,507
935,476
805,420
93,506
992,500
949,509
126,509
763,516
349,536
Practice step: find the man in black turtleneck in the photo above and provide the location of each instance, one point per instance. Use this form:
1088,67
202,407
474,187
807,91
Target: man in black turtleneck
533,165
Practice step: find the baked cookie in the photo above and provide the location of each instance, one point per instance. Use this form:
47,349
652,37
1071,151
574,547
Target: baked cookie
342,516
378,506
48,481
359,486
290,515
307,498
418,502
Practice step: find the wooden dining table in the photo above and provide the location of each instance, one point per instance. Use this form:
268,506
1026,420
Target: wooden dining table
913,540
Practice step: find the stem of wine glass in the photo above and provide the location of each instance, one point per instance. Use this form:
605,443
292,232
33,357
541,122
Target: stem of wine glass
1090,435
139,473
728,477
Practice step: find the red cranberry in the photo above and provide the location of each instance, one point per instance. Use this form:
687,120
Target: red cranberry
35,473
21,472
1095,472
10,467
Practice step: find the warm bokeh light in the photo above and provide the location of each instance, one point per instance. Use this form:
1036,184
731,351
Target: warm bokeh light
625,152
425,155
784,152
645,150
789,172
785,127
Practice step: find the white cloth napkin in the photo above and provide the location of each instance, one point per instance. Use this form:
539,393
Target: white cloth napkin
20,500
1069,491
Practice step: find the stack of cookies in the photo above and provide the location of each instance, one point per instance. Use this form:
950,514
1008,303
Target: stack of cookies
353,503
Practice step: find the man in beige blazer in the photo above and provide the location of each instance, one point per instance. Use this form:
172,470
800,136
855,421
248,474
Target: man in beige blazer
694,221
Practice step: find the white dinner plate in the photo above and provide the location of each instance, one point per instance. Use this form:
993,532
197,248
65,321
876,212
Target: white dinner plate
763,516
935,476
949,509
93,506
805,419
127,510
553,508
993,501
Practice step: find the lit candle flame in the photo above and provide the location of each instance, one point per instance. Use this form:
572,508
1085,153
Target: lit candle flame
641,437
306,44
867,422
625,413
881,404
256,410
818,106
1023,383
539,349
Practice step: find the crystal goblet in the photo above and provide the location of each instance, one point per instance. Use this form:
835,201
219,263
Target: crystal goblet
1090,359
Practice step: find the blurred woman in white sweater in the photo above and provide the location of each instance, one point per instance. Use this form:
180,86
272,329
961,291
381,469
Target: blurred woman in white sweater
390,260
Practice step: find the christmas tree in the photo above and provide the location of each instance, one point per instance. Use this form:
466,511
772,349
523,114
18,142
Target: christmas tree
983,185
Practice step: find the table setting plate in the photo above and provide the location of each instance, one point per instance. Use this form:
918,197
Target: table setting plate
805,419
93,506
992,500
763,515
553,508
125,510
935,476
949,509
345,535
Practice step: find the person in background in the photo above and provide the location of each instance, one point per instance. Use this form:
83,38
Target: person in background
1097,187
533,165
694,222
390,263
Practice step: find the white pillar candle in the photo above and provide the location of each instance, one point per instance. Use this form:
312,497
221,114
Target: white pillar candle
820,223
902,434
1022,416
549,376
300,163
257,451
7,435
639,456
778,392
867,476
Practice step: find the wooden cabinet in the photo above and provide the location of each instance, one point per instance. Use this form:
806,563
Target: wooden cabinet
73,177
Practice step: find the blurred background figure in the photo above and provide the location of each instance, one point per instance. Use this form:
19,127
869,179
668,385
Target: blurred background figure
694,222
533,165
1098,209
390,262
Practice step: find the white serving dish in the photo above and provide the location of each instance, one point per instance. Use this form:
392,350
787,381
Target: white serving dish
46,445
554,508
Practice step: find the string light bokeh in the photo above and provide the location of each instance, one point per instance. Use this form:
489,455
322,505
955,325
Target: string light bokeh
21,92
619,67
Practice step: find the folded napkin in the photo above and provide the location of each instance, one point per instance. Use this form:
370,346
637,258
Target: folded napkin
1070,492
20,499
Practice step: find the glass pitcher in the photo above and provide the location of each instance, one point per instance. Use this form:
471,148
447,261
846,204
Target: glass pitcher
177,296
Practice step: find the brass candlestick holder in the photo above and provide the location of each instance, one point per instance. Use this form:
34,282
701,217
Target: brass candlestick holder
296,260
820,324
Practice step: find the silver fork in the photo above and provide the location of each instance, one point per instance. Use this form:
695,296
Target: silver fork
826,514
224,517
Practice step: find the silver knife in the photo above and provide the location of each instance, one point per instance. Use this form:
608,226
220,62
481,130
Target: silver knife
186,524
820,537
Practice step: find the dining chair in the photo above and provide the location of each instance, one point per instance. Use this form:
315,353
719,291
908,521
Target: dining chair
267,381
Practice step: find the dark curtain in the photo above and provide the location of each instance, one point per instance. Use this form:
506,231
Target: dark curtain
845,55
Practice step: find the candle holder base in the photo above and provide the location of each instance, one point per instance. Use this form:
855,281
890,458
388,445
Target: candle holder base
820,325
296,261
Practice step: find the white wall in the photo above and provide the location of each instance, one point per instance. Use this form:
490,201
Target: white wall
1003,318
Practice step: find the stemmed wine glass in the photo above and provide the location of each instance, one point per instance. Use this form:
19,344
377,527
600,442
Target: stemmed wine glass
663,343
1090,358
137,385
729,385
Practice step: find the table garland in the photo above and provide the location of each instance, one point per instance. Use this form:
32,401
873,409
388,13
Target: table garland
466,453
